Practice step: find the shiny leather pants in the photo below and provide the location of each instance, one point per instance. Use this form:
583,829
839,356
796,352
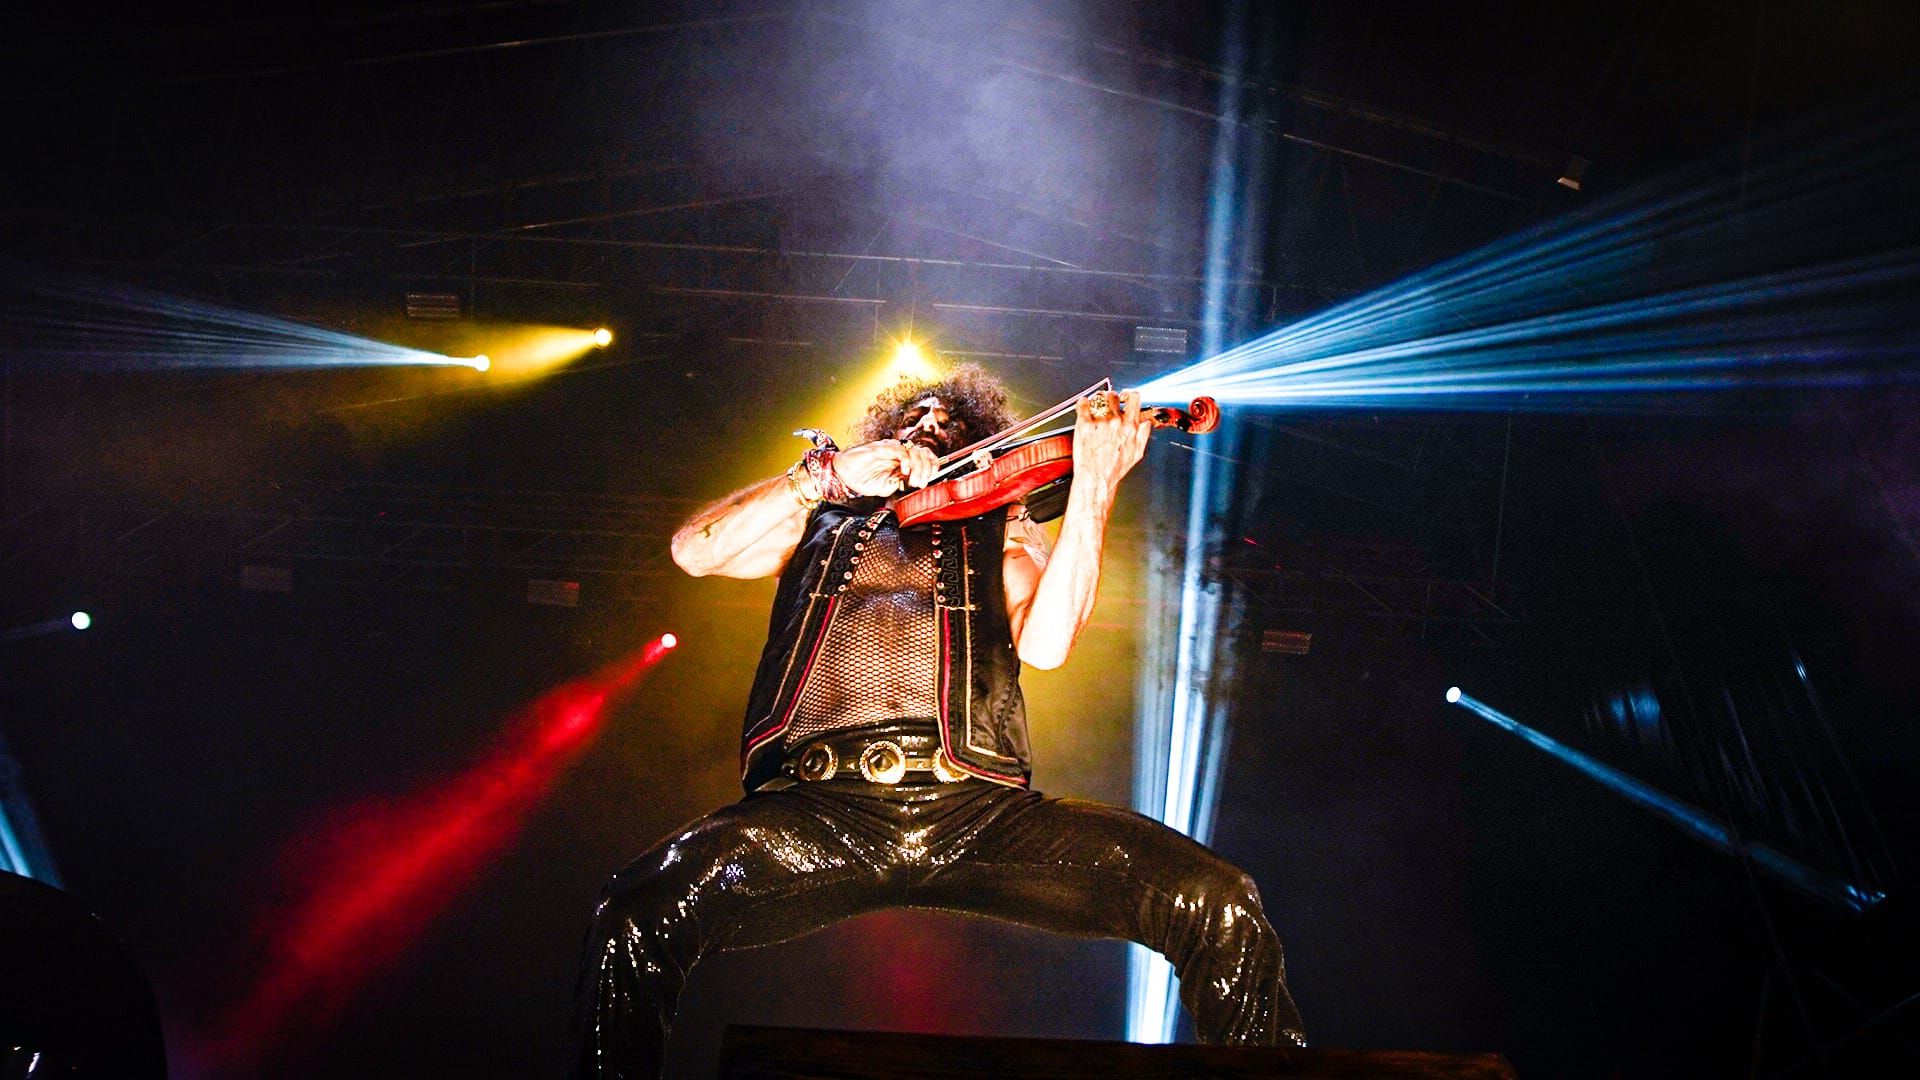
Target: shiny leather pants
782,863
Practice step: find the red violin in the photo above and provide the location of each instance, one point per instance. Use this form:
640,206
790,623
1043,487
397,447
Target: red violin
1008,467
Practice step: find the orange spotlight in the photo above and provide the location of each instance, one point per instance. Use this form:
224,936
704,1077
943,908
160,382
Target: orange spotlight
602,337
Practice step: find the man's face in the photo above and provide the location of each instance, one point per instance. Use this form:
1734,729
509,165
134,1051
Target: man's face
926,422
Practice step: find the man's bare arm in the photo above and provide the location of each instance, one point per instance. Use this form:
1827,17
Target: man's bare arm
748,534
1050,599
753,532
1024,559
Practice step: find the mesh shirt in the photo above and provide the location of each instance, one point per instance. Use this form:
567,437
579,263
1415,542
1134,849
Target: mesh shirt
879,662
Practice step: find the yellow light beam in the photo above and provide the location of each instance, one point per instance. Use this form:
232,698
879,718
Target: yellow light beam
846,403
525,352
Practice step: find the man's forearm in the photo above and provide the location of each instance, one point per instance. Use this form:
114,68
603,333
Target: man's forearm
1063,601
752,532
741,534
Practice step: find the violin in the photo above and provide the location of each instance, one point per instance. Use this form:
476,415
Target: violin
1010,466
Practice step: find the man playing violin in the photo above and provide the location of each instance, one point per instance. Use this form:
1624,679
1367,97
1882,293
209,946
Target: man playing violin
885,748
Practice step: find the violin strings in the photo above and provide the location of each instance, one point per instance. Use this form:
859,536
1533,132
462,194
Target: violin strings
1008,433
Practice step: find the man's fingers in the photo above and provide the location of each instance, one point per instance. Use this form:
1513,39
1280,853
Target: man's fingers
908,463
920,465
902,461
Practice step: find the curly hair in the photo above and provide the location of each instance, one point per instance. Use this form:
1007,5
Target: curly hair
976,405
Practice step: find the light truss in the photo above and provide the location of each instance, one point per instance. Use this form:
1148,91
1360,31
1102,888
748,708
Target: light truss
417,539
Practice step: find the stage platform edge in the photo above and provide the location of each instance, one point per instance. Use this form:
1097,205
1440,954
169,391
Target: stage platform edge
776,1053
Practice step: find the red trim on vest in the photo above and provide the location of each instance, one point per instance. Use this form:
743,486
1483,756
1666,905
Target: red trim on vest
826,620
946,733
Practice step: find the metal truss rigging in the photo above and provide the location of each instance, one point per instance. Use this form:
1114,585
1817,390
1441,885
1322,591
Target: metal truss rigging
409,539
1378,590
235,249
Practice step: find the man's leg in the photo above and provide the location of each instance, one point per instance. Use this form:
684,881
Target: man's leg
1097,871
767,869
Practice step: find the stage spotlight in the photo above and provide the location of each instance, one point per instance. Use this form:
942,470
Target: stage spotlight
79,620
1453,695
602,337
668,641
909,358
846,395
481,363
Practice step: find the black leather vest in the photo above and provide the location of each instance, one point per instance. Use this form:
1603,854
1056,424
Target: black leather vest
983,719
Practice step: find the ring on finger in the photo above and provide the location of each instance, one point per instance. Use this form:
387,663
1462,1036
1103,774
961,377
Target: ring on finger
1099,405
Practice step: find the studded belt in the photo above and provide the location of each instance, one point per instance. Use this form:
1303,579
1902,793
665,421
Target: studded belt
877,761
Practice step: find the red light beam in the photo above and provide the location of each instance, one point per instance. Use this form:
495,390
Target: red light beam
375,874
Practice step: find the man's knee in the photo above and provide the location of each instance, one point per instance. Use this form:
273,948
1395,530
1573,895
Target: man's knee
638,901
1230,898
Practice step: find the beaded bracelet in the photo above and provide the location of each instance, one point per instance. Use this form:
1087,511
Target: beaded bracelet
799,496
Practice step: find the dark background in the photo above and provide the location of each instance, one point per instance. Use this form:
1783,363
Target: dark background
755,197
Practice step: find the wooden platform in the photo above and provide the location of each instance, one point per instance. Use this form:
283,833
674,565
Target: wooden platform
767,1053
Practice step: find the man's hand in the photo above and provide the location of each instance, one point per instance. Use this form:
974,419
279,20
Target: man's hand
1109,438
884,466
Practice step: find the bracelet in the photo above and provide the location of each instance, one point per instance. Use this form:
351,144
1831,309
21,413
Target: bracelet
799,496
819,466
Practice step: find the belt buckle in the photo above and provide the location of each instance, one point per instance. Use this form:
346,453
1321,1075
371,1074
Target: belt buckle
818,762
883,762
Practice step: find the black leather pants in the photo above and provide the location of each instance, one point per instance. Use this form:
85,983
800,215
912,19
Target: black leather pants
782,863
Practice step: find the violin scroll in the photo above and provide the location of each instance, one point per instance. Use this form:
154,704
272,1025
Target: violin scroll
1201,415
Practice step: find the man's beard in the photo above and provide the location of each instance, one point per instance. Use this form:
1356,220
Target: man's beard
941,445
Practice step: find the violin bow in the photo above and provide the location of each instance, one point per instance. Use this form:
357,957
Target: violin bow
965,454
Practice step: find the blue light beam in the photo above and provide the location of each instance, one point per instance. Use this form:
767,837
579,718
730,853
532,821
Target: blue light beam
1683,286
71,623
84,324
1693,821
1180,729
